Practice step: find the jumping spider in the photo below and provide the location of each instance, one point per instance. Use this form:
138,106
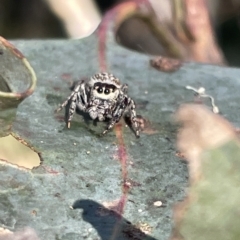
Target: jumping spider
103,98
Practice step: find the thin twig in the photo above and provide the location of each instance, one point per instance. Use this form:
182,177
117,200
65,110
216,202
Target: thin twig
201,94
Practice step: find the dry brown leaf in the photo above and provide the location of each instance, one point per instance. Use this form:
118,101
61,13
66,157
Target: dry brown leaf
201,130
25,234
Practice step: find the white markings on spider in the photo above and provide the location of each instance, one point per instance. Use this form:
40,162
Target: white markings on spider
103,97
201,94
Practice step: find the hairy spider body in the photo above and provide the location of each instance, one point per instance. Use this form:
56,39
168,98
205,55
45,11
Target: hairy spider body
103,98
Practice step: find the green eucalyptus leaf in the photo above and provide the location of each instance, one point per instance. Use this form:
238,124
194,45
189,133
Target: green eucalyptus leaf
83,170
17,81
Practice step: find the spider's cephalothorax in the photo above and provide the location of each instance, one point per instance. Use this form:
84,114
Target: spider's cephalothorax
103,98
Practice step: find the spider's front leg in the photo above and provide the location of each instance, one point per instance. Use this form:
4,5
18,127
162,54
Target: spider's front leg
110,125
74,100
79,100
134,122
82,98
64,104
71,110
116,116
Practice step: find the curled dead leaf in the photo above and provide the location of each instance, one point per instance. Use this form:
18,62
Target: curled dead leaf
166,64
17,81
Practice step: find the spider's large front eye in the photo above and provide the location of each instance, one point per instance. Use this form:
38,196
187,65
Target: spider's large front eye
107,91
100,90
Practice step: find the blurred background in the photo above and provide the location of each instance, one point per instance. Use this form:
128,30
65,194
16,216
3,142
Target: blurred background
182,29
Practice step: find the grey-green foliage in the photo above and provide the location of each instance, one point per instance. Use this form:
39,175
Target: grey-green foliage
17,81
79,166
213,209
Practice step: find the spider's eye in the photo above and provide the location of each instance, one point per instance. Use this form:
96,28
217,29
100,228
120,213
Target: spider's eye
107,91
100,90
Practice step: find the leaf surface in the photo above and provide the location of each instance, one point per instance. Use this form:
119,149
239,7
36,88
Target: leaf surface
82,169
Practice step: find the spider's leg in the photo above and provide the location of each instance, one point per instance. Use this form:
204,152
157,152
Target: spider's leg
124,88
133,114
64,104
81,97
72,101
117,114
71,110
83,94
81,105
110,125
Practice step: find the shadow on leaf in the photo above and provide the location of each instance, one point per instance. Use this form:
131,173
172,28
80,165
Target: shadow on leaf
108,223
